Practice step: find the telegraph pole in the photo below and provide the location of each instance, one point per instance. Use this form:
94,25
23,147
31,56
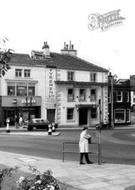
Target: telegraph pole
99,134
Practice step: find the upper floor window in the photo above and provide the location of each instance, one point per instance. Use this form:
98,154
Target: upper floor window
20,89
18,72
31,90
70,76
127,96
70,94
119,96
27,73
93,94
93,77
11,89
82,96
70,113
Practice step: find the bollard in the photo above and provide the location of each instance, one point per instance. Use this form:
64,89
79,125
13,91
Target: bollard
49,129
7,127
53,127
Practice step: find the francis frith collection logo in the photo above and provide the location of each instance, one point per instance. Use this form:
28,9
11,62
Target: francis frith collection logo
105,21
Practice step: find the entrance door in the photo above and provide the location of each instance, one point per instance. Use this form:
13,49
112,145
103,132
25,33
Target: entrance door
83,112
51,115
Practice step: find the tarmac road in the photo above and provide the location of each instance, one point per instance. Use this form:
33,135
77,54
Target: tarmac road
117,145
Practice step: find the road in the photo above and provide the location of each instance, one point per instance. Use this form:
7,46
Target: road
117,146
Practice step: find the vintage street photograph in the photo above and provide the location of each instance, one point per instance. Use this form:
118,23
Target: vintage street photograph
67,95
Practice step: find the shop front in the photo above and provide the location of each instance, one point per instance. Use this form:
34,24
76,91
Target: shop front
26,107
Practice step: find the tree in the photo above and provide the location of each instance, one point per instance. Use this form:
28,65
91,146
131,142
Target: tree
5,55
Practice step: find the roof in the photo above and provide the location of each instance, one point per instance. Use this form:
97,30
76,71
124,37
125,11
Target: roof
61,61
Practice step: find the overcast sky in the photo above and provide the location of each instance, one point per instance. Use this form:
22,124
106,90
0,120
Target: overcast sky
28,23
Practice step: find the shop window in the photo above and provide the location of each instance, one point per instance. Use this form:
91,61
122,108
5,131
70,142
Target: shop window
82,96
93,77
93,113
27,73
119,96
119,116
128,116
18,72
70,113
70,94
70,76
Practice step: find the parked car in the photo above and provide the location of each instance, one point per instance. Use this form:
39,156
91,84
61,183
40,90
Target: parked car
38,123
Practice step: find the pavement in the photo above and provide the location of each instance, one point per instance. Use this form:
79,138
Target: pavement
85,177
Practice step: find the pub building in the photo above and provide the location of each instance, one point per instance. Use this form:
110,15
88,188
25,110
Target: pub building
60,87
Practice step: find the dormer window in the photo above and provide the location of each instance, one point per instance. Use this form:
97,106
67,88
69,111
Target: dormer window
70,76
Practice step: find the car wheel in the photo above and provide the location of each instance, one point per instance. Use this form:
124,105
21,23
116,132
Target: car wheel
30,128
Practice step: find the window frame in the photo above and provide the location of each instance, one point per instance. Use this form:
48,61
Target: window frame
94,114
82,97
73,95
27,73
72,114
124,114
118,96
18,73
70,75
93,77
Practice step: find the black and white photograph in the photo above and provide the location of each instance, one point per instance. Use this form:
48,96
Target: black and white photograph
67,95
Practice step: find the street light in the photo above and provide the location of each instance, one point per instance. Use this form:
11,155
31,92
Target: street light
112,78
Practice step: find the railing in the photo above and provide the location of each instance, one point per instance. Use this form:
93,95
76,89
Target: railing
69,143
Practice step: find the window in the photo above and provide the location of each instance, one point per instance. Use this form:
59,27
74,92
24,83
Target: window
93,77
82,96
127,96
31,90
119,116
21,89
70,94
27,73
11,89
128,116
70,113
93,113
18,72
93,94
70,76
119,96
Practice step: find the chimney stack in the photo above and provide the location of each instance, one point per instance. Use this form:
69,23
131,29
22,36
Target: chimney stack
46,50
69,49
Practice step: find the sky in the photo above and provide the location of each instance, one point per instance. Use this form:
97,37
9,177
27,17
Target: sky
28,23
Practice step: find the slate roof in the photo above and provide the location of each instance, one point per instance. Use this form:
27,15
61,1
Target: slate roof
61,61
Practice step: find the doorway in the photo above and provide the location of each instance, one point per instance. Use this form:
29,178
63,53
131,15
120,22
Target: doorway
83,116
51,115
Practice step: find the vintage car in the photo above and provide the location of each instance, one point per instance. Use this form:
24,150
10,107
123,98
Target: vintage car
38,123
